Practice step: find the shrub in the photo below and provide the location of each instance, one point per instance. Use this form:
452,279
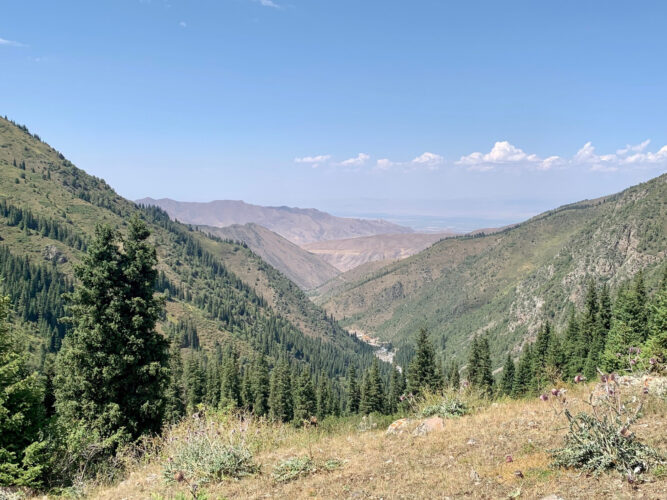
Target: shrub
447,408
602,440
203,455
292,468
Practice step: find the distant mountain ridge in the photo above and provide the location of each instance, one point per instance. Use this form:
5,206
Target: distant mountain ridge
349,253
302,267
298,225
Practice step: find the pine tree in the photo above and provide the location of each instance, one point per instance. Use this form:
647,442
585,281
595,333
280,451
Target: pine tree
323,397
523,379
112,371
305,403
423,373
573,348
629,326
353,393
454,377
260,386
230,385
507,381
280,396
656,345
195,382
396,389
175,395
480,371
21,410
372,391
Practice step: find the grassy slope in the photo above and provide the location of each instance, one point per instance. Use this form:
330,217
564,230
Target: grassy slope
302,267
442,464
507,283
60,197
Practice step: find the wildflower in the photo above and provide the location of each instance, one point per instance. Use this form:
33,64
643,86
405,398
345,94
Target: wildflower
508,459
633,362
544,397
645,390
555,392
179,477
578,378
652,361
603,379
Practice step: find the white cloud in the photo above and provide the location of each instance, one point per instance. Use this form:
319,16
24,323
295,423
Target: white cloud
357,161
428,160
313,161
10,43
628,157
268,3
383,164
183,24
634,149
503,155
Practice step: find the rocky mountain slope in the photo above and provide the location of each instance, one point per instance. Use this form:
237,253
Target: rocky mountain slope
505,284
301,266
299,225
349,253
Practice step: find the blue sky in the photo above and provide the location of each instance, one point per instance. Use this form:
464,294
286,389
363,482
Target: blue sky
470,112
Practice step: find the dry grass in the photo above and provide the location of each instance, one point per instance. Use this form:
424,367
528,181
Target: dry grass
467,459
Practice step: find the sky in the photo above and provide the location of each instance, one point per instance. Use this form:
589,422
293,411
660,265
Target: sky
430,113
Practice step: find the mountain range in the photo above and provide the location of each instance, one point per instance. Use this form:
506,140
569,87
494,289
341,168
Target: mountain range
298,225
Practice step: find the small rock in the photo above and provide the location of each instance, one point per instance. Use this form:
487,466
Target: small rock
474,477
551,497
471,442
51,253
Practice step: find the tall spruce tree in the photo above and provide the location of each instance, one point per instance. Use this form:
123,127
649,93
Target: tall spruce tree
480,371
372,391
21,408
260,386
353,392
280,395
423,373
507,381
396,389
305,404
112,371
656,345
523,378
175,396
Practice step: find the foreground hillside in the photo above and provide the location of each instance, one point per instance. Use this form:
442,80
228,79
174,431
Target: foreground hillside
49,210
506,284
302,267
299,225
467,458
349,253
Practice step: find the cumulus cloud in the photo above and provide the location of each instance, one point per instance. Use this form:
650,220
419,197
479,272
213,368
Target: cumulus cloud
428,160
506,156
313,161
357,161
502,155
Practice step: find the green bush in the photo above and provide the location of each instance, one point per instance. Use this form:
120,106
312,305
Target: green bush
202,456
599,444
447,408
293,468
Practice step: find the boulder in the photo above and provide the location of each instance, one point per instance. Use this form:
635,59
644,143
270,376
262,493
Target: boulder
400,426
429,425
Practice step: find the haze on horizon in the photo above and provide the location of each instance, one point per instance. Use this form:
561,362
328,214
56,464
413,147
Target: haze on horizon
466,115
